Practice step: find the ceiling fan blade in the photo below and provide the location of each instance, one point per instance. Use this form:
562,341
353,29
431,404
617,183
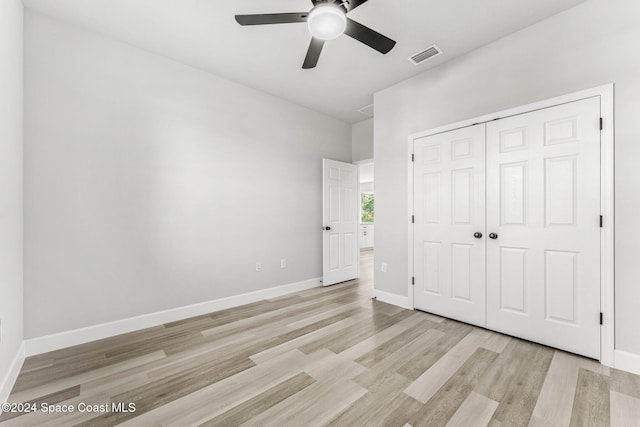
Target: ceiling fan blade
313,54
354,3
369,37
272,18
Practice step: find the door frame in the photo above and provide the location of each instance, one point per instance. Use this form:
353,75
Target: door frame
607,135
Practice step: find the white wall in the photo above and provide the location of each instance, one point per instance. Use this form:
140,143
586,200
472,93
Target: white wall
587,46
362,140
11,20
366,187
151,185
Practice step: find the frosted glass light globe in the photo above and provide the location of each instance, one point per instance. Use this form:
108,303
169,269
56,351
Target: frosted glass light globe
327,21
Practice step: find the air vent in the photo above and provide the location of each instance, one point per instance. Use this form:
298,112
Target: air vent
367,111
429,53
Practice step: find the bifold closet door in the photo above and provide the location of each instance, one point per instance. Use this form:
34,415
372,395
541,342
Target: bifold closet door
449,208
543,205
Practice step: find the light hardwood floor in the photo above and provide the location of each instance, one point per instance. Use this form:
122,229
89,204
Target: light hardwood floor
327,356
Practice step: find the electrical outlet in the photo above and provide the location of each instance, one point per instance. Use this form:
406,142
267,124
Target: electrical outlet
283,263
258,266
383,267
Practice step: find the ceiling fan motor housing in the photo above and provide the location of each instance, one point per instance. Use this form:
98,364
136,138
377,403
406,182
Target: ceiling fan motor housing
327,21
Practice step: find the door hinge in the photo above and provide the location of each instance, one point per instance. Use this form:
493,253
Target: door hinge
601,221
413,219
413,157
413,280
601,123
601,319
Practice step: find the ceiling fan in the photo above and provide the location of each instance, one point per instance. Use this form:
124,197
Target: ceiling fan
326,21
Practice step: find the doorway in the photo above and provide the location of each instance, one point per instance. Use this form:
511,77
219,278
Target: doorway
367,205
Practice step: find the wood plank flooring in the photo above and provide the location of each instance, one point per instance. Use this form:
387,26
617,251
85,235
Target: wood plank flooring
323,357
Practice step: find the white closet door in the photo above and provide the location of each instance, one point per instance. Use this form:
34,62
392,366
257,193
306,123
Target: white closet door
449,207
543,203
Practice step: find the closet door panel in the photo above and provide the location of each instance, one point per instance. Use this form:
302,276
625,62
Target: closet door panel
449,207
543,203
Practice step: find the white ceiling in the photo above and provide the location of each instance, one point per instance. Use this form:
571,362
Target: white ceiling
204,34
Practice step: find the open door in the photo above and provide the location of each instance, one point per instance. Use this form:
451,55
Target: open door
340,222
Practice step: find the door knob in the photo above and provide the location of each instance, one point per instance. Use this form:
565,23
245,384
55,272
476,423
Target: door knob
327,228
477,235
493,236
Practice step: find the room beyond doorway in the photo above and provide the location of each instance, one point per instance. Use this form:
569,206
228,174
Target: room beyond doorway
367,204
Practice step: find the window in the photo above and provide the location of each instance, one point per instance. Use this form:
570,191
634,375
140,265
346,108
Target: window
366,200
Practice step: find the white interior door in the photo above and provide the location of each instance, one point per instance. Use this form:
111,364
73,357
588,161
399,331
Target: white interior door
449,208
543,204
340,217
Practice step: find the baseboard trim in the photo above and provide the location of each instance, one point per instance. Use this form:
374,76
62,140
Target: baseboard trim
10,379
627,362
390,298
66,339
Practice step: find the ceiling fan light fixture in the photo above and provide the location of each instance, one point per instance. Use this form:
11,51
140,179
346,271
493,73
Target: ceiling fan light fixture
327,21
